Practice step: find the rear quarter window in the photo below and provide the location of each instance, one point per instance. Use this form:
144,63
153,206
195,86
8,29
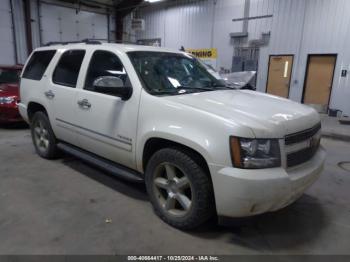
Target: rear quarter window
37,64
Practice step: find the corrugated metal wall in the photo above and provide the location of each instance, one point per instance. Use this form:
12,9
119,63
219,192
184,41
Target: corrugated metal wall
192,24
298,27
6,31
20,31
13,39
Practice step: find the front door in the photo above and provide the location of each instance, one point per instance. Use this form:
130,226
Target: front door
319,79
106,124
280,69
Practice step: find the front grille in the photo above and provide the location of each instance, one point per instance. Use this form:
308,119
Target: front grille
301,156
305,154
303,135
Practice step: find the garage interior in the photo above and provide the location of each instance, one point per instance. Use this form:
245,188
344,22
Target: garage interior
297,49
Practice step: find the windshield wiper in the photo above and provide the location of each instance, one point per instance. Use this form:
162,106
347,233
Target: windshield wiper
222,86
194,88
181,90
165,91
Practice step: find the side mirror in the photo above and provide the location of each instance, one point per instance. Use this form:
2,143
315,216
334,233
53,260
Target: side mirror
112,85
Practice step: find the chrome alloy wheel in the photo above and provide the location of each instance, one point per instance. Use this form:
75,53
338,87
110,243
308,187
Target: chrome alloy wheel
172,189
41,136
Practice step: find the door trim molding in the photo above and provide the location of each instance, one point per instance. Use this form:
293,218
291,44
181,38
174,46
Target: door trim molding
94,132
307,72
268,71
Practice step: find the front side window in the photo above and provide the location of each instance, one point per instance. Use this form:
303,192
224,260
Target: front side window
37,64
67,70
105,64
9,75
172,73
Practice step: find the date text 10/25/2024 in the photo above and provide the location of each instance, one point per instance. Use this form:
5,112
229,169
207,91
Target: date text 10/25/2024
173,258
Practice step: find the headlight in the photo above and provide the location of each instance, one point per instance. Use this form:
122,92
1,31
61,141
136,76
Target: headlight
255,153
7,99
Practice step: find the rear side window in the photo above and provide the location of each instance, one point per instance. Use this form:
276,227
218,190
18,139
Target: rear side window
67,69
37,64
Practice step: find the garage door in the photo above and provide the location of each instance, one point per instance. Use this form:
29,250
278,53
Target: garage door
6,40
65,24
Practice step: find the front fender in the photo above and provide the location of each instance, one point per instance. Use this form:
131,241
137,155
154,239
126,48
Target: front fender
199,145
201,131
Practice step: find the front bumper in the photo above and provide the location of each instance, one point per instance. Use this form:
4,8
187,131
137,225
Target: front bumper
243,192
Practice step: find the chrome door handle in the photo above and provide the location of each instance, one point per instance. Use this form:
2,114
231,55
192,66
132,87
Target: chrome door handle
49,94
84,103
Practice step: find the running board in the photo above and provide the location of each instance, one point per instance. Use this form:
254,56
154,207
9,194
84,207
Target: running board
101,163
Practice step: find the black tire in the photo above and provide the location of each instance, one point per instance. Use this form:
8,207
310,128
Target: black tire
202,206
50,151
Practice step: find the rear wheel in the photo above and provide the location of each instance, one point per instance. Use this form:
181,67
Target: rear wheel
43,137
179,189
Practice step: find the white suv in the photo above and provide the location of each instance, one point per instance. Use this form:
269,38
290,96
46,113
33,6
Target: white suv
157,115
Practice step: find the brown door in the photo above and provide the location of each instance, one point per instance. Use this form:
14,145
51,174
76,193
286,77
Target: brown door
318,83
280,69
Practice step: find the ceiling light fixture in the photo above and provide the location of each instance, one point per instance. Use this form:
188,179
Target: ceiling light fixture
153,1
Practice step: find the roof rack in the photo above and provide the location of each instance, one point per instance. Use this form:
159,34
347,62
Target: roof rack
86,41
91,41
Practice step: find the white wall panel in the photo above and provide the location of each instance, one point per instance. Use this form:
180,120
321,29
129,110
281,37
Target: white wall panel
298,27
225,11
7,48
181,22
285,39
19,30
34,10
154,24
324,33
112,29
175,24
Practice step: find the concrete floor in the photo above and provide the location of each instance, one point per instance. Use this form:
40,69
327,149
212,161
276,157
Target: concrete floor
61,207
331,127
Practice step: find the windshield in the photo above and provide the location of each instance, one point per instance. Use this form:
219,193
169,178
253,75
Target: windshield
9,76
172,74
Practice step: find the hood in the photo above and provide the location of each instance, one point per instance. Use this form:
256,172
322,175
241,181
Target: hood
9,90
266,115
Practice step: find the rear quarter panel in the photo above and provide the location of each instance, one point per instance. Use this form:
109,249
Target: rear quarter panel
33,90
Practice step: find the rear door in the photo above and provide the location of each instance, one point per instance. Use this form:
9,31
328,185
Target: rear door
61,94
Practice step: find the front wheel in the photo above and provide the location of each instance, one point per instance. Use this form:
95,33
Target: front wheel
43,137
180,191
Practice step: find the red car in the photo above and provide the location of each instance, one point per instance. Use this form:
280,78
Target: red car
9,93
